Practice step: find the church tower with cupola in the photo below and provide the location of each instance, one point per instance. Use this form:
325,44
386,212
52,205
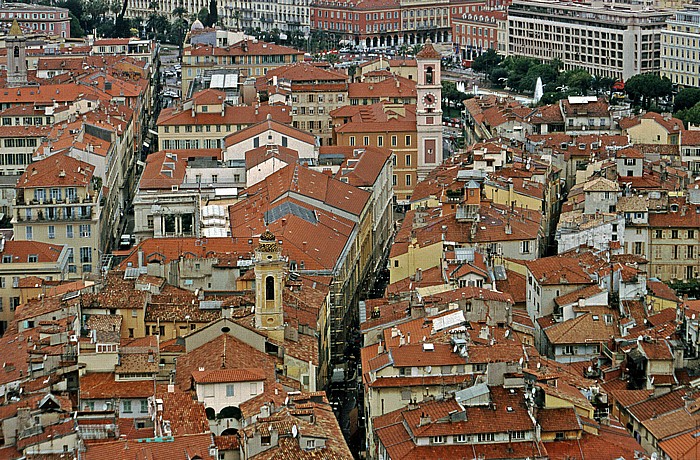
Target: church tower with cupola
16,44
269,282
429,109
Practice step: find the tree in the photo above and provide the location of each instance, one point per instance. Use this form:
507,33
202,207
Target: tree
203,15
213,16
578,79
686,98
237,19
498,76
452,95
647,87
486,61
690,116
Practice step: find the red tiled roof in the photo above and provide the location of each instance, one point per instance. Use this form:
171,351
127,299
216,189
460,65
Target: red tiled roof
58,170
244,115
184,447
228,375
662,290
563,419
558,270
265,125
20,250
102,385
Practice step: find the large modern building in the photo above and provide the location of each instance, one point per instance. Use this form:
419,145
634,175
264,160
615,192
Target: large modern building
680,47
616,41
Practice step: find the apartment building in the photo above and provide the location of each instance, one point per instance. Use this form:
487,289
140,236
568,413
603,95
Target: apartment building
616,41
34,18
23,261
251,58
59,201
680,47
477,31
203,121
311,92
674,239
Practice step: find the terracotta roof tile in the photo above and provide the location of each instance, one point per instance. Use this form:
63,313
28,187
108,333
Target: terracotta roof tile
184,447
228,375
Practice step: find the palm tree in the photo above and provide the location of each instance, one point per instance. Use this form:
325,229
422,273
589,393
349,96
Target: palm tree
237,18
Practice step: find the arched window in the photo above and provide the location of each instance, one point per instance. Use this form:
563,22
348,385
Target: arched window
16,52
269,288
429,76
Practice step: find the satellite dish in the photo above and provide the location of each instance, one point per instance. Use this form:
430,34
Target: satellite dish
286,400
692,316
295,431
507,334
539,365
654,456
590,369
429,369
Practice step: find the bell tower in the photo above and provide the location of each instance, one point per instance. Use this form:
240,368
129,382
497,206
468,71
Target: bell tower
269,281
429,109
16,44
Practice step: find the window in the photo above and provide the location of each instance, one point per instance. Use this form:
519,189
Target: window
393,180
229,390
149,222
638,247
2,282
365,140
691,234
659,234
485,437
52,232
253,389
29,233
568,350
525,247
691,252
408,160
32,258
408,179
310,443
208,391
674,234
438,439
85,255
408,141
85,231
461,438
352,141
517,435
393,141
126,405
380,141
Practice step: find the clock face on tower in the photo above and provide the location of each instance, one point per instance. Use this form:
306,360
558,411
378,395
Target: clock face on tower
429,100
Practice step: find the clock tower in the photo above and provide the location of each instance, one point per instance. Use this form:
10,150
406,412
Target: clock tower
429,110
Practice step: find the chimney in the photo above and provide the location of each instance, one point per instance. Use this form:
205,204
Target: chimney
140,256
424,419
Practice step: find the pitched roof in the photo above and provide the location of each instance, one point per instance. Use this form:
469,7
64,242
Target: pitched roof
185,447
586,328
428,52
20,250
558,270
58,170
228,375
268,124
102,385
561,419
